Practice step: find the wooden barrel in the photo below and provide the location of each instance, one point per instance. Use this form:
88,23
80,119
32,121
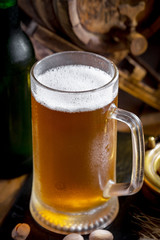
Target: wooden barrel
108,27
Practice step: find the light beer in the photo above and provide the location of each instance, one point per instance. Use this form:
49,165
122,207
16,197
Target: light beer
74,114
74,149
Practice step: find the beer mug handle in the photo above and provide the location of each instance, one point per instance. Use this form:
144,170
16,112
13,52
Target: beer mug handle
134,123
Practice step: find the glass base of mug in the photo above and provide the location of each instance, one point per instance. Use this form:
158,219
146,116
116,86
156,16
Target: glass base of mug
83,222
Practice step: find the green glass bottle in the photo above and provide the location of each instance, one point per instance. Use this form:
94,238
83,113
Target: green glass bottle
16,58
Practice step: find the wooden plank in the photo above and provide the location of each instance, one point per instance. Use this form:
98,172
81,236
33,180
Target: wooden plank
8,193
53,41
142,92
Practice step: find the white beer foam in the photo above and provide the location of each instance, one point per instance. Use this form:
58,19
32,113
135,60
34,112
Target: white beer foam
77,79
74,78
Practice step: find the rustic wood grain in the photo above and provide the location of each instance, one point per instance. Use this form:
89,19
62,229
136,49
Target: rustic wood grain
91,24
8,193
53,41
141,91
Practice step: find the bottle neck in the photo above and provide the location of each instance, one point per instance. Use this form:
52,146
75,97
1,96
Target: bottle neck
9,17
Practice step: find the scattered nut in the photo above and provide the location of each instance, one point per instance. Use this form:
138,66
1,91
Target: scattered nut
151,143
73,236
20,231
101,235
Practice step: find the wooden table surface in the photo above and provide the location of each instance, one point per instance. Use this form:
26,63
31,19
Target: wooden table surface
137,218
9,190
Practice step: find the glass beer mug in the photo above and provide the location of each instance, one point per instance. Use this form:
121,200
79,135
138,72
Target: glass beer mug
74,128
